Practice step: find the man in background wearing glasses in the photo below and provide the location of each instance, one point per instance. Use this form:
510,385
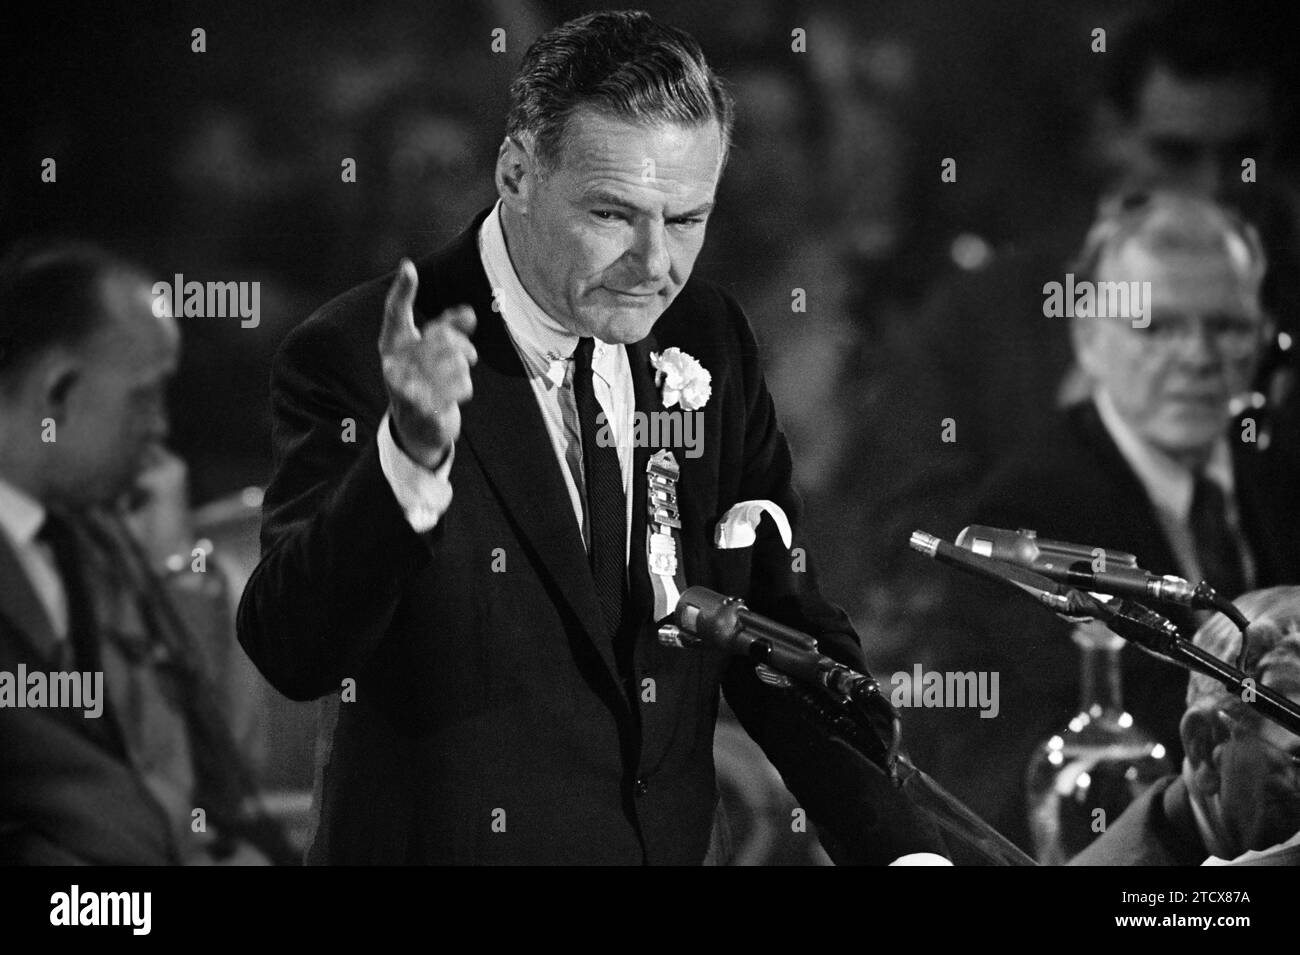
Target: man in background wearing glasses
1159,461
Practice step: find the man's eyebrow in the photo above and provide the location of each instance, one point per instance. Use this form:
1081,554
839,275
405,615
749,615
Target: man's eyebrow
609,199
699,210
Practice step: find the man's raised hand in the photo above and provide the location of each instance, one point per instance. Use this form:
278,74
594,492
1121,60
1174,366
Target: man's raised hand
426,371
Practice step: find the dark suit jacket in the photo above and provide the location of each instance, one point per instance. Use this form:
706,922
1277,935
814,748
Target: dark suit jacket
76,789
1070,482
67,796
485,697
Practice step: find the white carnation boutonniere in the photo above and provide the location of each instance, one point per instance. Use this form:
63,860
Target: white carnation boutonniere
681,379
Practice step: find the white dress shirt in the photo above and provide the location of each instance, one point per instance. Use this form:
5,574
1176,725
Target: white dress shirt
546,349
21,518
1169,484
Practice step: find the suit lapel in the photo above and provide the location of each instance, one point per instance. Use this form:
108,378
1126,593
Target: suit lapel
503,427
20,605
1143,524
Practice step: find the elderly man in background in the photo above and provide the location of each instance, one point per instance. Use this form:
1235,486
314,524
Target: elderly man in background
1151,463
1237,797
1190,92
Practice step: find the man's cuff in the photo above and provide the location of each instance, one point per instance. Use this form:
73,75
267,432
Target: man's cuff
424,495
922,858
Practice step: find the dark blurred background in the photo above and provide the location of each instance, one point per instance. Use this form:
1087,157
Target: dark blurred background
225,165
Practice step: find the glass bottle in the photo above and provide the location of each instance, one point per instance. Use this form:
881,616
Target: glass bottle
1100,761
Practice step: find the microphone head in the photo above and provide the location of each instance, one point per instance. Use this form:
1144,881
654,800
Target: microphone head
707,613
1017,547
1026,548
927,544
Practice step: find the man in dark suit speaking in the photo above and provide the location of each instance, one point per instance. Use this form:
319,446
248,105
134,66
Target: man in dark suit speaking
457,531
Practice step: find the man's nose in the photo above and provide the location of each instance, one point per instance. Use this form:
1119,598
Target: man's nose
650,251
1199,348
158,425
1205,177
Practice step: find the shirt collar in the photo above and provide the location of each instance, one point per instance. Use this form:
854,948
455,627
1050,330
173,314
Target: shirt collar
543,343
1168,482
21,515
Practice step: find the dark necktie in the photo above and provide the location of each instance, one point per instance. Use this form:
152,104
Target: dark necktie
80,649
606,505
1217,547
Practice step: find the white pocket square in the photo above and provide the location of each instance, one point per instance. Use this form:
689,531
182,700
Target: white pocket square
738,526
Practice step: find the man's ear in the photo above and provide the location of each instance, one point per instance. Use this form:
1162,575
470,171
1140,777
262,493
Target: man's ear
515,174
57,379
1203,738
1083,336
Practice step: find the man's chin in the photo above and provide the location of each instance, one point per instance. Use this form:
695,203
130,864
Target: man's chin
627,329
1183,434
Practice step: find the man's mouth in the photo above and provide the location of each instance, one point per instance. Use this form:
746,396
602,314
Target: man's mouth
1198,397
632,295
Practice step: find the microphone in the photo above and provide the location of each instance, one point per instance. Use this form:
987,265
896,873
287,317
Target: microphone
1047,592
726,623
1144,627
859,710
722,620
1026,545
1075,564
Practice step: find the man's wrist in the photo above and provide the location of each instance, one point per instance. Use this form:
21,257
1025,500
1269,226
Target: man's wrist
429,462
423,492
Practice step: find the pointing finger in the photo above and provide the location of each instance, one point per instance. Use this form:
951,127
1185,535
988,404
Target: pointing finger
399,314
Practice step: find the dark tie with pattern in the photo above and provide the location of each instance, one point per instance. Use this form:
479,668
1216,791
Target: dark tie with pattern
1217,547
606,504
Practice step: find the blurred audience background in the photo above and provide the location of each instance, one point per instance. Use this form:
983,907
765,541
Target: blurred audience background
226,165
886,298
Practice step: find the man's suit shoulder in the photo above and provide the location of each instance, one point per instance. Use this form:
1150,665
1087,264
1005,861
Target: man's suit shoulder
705,320
1074,484
1058,461
350,320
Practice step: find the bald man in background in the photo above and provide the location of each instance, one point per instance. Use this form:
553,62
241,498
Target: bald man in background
92,504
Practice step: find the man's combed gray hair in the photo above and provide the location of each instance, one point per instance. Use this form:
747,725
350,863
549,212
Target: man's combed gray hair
620,63
1167,223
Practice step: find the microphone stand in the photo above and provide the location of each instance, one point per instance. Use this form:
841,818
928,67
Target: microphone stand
1071,564
845,704
1156,633
1131,620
